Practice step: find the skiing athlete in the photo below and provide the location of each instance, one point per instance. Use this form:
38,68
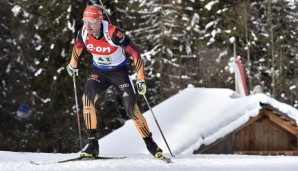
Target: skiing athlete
108,46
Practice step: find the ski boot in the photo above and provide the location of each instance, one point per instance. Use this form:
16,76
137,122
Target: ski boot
152,147
155,150
92,148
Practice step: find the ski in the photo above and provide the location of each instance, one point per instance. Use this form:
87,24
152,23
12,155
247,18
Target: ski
77,159
163,158
167,160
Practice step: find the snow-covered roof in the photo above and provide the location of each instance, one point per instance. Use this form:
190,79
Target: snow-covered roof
191,118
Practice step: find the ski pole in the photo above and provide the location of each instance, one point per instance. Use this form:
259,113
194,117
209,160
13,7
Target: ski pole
77,109
158,125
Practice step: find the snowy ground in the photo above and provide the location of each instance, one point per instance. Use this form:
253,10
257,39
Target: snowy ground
185,119
13,161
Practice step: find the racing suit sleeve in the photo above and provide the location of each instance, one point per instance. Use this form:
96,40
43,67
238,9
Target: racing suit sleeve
77,50
119,38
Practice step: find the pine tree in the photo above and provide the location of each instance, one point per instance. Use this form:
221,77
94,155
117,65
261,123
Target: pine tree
41,35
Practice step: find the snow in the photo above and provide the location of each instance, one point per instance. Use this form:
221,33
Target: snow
189,119
13,161
16,10
210,4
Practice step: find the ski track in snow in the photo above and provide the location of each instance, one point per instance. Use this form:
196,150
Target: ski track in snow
16,161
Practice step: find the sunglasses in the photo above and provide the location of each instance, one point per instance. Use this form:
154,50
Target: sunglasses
91,22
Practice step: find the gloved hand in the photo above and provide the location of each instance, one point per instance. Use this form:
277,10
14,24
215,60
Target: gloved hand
72,71
142,87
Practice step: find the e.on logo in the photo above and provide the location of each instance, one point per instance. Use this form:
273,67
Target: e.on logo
98,48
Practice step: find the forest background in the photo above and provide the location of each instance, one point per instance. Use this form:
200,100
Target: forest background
183,42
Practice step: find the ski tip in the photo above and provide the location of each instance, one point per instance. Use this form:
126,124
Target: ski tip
165,159
168,161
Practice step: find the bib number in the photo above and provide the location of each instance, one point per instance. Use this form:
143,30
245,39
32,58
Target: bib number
103,60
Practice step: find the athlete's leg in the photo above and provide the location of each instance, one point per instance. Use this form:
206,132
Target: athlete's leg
94,86
123,84
142,127
140,122
125,88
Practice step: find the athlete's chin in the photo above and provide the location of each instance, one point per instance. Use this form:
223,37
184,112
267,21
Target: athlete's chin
90,31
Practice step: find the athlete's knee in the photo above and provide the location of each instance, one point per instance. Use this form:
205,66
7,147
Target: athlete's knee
86,99
89,98
134,112
128,103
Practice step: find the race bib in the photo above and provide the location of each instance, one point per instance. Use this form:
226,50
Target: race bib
106,60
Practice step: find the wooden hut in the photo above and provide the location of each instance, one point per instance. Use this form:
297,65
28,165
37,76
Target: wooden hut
269,133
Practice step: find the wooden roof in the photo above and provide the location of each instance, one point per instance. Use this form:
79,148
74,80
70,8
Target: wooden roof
276,117
267,113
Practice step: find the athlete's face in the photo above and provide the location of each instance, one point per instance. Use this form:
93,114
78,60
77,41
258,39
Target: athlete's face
92,25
